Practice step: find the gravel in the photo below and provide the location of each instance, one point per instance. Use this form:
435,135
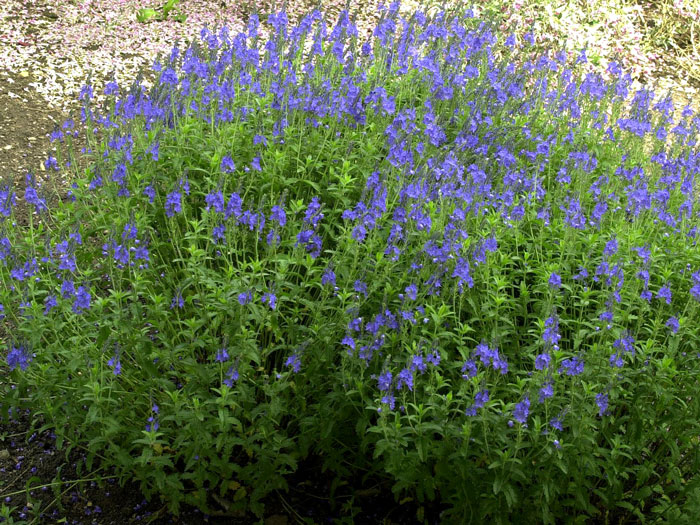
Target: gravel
60,44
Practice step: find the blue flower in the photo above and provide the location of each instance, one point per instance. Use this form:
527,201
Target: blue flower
119,174
313,215
462,271
542,361
173,203
149,192
5,248
245,297
480,399
616,360
664,293
610,247
18,357
270,299
469,369
418,363
222,355
695,290
177,301
385,381
555,280
231,377
405,377
31,195
153,424
673,324
582,274
572,367
546,391
115,364
215,200
361,287
522,410
551,332
82,300
111,88
49,303
67,288
602,402
348,341
7,201
293,362
227,164
328,277
434,358
412,291
168,76
390,400
277,214
218,233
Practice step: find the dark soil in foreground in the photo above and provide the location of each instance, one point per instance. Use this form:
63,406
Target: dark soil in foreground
45,486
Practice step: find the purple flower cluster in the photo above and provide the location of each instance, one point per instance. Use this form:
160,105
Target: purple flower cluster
18,357
455,186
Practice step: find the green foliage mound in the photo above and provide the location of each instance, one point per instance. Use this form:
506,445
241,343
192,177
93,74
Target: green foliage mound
433,258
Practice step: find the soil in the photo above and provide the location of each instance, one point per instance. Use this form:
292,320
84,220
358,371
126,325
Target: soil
24,129
41,483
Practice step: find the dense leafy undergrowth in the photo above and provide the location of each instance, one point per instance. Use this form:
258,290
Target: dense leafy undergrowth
434,257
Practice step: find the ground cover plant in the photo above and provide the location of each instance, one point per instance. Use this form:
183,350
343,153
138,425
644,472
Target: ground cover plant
438,258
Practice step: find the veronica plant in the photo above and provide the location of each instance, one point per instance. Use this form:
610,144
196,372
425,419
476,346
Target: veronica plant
432,257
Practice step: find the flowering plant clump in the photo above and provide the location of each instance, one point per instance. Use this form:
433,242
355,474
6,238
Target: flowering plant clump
406,256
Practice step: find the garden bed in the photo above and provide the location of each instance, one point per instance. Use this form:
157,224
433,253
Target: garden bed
38,86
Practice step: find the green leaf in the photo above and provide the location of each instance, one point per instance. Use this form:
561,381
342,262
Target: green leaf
497,486
169,7
145,15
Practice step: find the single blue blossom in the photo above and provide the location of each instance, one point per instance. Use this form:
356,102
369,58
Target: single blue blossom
173,203
271,300
222,355
245,297
602,402
555,280
294,362
385,381
328,277
115,364
572,367
469,369
480,399
231,377
177,301
673,324
542,361
664,293
405,377
227,164
546,391
82,300
522,410
18,357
